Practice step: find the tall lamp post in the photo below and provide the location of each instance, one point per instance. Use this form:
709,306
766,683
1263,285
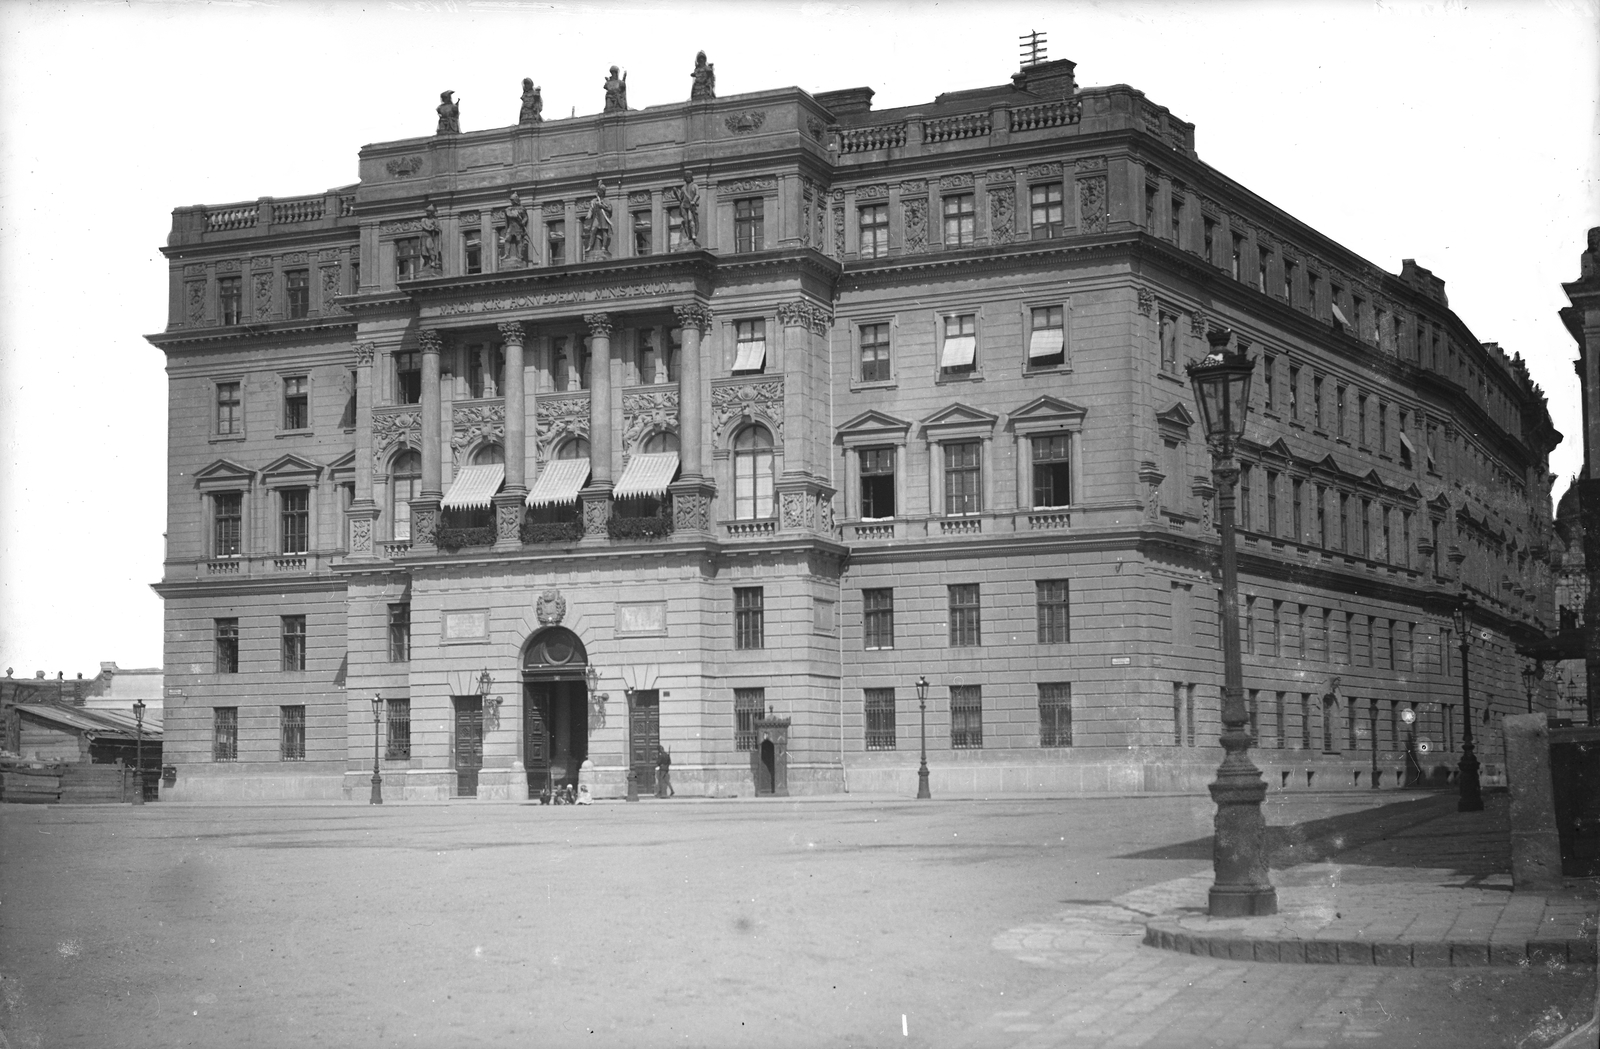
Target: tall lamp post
138,752
1531,676
923,793
1471,791
377,779
1239,852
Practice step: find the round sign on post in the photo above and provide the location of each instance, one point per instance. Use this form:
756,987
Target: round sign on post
1424,746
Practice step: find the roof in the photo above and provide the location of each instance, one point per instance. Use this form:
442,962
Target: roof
95,724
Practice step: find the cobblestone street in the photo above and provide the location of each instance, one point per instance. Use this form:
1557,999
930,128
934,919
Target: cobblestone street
837,921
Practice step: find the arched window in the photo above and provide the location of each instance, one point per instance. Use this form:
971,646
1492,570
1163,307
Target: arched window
573,448
488,455
752,474
405,484
664,441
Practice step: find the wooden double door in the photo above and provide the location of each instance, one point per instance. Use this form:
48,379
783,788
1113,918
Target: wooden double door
646,738
555,732
468,744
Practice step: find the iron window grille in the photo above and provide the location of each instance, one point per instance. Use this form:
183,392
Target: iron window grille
1055,714
749,613
294,642
292,733
224,733
296,403
297,289
643,233
966,717
407,258
877,618
880,719
963,478
397,745
230,420
227,515
966,628
1045,207
555,242
400,632
227,638
960,221
875,353
230,299
874,228
295,520
748,704
1054,611
408,377
877,483
748,224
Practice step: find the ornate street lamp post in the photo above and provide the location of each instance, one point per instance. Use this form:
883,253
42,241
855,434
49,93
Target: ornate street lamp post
377,779
1531,676
1471,791
1239,852
922,769
138,752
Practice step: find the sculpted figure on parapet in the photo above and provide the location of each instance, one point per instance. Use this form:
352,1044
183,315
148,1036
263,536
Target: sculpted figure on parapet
449,114
597,226
616,92
432,252
705,79
688,197
514,242
532,103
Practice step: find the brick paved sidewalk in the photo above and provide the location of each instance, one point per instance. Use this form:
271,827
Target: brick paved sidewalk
1434,893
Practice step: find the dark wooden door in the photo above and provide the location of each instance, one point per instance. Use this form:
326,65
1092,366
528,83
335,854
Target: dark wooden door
646,738
536,702
469,744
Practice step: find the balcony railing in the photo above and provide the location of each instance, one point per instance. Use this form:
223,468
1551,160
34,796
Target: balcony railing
243,217
961,526
949,129
866,139
309,209
395,548
222,567
1046,115
296,565
875,530
1045,520
751,529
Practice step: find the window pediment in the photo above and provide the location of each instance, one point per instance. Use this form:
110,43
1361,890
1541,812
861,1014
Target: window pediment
874,427
343,468
224,473
1047,413
1175,421
958,420
290,469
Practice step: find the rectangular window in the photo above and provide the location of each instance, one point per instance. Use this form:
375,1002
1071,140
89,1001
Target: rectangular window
292,733
230,299
294,642
1236,261
1279,722
966,716
675,238
749,627
1055,714
1322,516
1209,232
750,346
643,232
1338,406
963,477
408,377
1272,503
1366,529
472,250
1045,210
555,242
1247,629
1316,401
230,420
1263,260
1175,216
1344,522
1167,333
296,403
748,705
1047,337
1296,499
1253,711
877,483
407,258
960,221
1294,393
749,232
874,353
1387,553
959,355
1246,518
294,520
1177,713
966,628
1288,285
1052,470
1383,428
880,718
297,290
1405,538
874,228
1054,609
1188,709
224,733
400,632
398,716
1269,380
227,517
227,636
877,618
1305,721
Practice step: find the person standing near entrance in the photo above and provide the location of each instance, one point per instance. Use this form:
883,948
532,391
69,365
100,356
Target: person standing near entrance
664,775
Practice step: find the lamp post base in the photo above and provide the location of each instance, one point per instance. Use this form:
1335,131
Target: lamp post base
1471,789
377,789
633,785
923,793
1241,887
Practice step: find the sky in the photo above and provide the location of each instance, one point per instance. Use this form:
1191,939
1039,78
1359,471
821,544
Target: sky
1463,135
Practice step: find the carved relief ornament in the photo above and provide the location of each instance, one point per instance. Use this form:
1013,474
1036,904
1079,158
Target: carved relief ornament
400,167
599,324
758,184
916,185
733,402
1000,175
1050,170
559,418
803,313
1092,204
747,122
400,226
644,414
876,191
693,315
513,331
1147,301
955,181
551,608
365,351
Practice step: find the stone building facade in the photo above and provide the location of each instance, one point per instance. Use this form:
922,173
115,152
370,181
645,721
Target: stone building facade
773,405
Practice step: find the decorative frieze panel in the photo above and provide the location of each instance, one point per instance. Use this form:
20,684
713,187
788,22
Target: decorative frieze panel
1089,164
194,269
560,297
194,303
1147,301
838,232
388,229
470,218
1000,175
475,423
794,510
557,419
731,402
330,289
1092,216
361,535
403,167
295,258
391,428
745,186
261,262
639,198
1002,213
955,181
644,414
691,511
228,266
263,290
914,211
876,191
803,313
745,123
1044,171
554,208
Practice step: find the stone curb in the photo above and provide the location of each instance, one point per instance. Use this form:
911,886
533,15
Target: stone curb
1168,935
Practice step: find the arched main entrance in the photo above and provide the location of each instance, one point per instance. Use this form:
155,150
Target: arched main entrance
555,708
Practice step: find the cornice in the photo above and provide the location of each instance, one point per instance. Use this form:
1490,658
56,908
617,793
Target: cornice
275,331
234,587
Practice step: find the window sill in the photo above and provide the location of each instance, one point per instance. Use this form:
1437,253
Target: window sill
1064,368
294,433
876,384
1172,377
225,438
968,377
1296,424
1272,414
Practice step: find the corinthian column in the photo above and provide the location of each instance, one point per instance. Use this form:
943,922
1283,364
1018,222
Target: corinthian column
597,496
425,510
363,512
693,491
509,503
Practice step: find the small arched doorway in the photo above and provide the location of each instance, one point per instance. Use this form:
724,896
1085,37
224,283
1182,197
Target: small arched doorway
555,709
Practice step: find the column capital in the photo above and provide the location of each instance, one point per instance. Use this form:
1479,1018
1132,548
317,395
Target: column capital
804,313
599,324
693,315
364,352
513,331
430,340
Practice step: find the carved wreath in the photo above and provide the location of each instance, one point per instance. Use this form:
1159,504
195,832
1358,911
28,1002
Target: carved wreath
746,123
763,400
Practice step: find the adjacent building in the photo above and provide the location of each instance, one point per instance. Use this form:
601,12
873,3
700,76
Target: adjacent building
757,410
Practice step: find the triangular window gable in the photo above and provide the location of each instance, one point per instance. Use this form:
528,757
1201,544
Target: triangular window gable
1047,413
874,427
290,470
958,419
1175,422
343,468
224,474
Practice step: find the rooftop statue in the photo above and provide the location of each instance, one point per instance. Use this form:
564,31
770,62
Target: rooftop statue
688,197
532,103
705,79
432,253
597,226
449,114
514,241
616,92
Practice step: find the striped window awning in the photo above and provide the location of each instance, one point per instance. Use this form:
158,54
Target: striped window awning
1406,443
959,351
751,356
1339,316
474,487
647,476
1046,342
559,483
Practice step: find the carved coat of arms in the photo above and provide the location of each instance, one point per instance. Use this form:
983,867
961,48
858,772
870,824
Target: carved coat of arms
550,608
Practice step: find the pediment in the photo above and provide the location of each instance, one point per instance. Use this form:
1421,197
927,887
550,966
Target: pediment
1374,479
959,416
1176,415
224,473
290,465
1328,464
875,422
1279,449
343,465
1412,490
1440,502
1048,409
